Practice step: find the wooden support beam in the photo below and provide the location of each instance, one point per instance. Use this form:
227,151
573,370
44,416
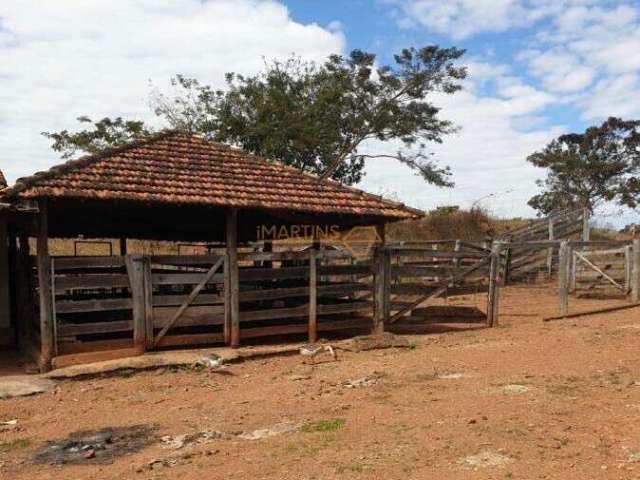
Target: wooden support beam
628,268
494,286
563,278
44,287
382,277
313,296
123,247
635,275
234,275
136,282
6,336
147,283
24,296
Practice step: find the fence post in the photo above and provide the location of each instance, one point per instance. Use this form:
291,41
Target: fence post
134,266
494,286
563,277
635,275
313,296
147,289
628,268
234,275
381,290
550,250
574,264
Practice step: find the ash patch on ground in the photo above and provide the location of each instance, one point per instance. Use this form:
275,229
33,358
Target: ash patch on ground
96,446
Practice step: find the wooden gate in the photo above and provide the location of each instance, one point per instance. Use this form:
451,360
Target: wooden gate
182,299
602,273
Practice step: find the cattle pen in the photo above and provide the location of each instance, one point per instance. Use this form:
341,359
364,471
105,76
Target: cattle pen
180,189
209,245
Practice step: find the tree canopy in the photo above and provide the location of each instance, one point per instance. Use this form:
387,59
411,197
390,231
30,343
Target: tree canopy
586,169
322,118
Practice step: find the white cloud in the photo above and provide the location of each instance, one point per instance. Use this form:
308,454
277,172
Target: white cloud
62,59
463,18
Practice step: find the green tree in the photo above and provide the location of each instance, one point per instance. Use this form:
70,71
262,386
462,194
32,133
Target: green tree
324,118
105,133
586,169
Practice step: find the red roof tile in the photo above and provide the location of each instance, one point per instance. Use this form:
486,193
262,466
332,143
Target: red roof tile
180,168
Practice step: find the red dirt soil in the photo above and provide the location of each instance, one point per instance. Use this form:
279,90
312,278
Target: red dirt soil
534,400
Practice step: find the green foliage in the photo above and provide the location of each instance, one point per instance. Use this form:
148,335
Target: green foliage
583,170
323,425
321,118
103,134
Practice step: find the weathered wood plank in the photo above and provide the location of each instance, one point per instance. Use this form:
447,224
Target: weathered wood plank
73,263
93,305
86,282
71,329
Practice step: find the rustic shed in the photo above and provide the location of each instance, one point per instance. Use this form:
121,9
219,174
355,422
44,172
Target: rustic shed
179,187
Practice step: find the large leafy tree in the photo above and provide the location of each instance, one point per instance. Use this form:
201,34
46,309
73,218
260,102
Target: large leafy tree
587,169
325,119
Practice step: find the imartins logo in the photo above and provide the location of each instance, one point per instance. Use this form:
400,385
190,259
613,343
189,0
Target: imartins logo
307,233
358,240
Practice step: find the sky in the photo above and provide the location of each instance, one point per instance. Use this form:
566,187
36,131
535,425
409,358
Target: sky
537,69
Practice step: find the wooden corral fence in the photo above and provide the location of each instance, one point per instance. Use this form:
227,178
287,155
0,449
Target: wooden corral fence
134,303
422,271
525,260
591,268
602,273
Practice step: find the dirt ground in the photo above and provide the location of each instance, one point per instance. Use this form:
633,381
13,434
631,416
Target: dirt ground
526,400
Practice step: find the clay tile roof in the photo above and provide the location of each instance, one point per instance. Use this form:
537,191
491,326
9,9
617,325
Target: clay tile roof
181,168
3,181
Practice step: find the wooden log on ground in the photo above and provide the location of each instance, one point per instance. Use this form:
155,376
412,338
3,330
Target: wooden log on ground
592,312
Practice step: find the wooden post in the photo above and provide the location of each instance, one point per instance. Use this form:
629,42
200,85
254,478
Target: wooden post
456,261
123,246
24,294
586,233
628,268
44,287
234,277
313,296
136,281
147,283
563,277
381,280
227,301
550,250
635,275
493,299
574,273
6,335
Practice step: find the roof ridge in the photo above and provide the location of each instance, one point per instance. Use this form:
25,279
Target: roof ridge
24,183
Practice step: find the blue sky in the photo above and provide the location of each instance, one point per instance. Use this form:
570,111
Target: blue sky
537,68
